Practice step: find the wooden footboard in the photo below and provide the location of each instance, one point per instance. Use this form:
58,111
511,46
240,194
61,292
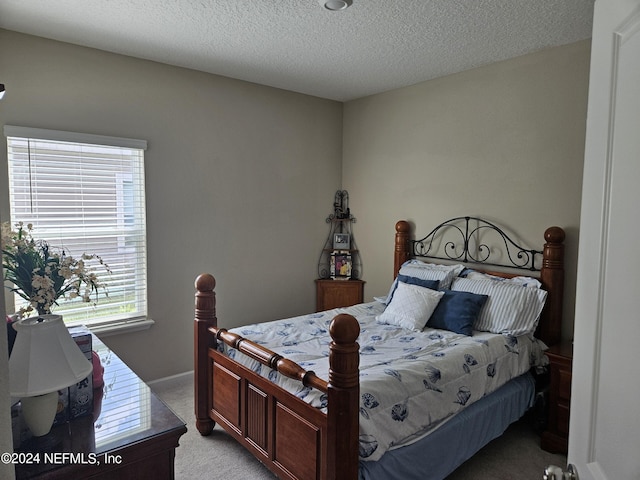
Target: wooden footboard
293,439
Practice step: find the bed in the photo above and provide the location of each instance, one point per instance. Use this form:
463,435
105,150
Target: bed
304,395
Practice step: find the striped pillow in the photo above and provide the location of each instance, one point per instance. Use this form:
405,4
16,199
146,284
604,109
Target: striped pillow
426,271
432,271
432,284
510,309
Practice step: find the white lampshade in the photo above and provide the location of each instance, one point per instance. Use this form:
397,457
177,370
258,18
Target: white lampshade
44,358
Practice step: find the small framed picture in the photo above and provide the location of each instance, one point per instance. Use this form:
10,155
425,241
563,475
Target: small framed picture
341,241
340,266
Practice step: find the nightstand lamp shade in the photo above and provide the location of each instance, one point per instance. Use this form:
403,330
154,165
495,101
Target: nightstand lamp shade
44,359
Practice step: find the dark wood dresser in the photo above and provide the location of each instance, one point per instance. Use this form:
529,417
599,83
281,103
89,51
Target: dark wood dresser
131,435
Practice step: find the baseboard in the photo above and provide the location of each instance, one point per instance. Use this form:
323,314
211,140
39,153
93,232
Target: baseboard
161,381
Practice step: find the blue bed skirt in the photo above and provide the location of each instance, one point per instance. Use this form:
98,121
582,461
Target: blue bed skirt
441,452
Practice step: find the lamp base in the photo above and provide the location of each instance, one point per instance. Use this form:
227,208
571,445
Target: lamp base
39,412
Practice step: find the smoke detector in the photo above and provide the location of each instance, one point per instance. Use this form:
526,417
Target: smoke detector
335,5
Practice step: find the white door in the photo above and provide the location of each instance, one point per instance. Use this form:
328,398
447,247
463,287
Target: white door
604,433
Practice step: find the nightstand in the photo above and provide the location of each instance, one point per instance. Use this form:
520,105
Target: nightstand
555,437
338,293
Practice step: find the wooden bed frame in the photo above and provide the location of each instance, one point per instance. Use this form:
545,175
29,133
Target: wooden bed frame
295,440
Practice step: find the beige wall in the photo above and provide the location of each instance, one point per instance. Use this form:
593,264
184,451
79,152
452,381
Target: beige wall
239,180
505,142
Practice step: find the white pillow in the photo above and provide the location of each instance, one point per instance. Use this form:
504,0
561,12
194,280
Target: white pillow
427,271
510,309
410,307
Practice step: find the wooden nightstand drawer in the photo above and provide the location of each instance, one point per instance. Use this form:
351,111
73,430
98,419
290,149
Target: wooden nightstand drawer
562,419
564,387
555,437
338,293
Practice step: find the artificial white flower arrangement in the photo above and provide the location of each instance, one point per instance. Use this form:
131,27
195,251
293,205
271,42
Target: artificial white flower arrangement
41,274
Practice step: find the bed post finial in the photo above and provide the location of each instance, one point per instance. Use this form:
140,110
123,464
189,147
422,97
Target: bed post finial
344,394
402,252
205,282
554,236
552,278
205,317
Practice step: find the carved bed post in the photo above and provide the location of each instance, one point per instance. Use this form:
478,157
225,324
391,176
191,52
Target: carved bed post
344,399
205,317
552,278
401,253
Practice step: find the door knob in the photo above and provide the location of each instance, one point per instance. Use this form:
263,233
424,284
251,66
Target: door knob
556,473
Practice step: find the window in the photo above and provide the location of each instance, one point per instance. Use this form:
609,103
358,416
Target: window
85,193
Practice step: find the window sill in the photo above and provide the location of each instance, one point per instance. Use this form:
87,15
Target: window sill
117,328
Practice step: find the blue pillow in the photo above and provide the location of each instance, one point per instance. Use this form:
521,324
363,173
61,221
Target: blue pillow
457,311
432,284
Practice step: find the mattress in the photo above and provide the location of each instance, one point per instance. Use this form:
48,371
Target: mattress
410,382
438,454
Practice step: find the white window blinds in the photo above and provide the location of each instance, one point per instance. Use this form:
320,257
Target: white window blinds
85,194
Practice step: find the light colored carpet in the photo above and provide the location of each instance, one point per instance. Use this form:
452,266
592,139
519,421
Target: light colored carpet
516,455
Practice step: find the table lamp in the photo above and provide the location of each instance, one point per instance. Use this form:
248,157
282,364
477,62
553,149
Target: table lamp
44,359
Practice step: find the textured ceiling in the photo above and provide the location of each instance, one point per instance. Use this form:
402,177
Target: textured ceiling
371,47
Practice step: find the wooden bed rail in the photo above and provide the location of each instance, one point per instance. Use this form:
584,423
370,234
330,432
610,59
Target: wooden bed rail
270,359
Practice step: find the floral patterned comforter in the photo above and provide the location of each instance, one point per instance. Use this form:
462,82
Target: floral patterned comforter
410,382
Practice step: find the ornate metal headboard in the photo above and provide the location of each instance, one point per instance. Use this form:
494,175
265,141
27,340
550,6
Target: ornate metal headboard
462,239
466,240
